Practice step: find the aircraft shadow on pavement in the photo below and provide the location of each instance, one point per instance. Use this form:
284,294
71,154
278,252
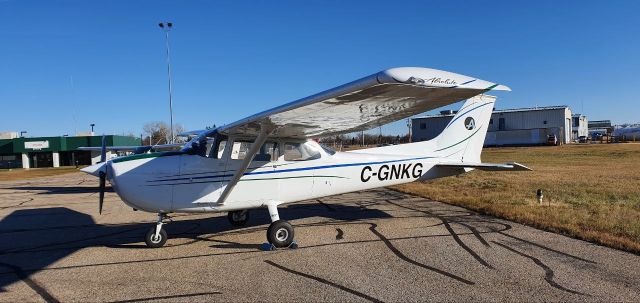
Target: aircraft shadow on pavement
56,190
32,239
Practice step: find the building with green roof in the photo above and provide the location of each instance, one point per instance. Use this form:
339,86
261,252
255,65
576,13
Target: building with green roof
56,151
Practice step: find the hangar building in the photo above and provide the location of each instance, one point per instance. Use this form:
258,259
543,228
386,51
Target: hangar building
55,151
522,126
600,128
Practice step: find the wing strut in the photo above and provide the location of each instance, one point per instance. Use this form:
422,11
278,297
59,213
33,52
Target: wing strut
265,130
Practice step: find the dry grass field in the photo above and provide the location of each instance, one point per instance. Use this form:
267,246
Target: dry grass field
591,192
19,173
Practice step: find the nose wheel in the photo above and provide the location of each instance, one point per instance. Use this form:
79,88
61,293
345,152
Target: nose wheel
156,236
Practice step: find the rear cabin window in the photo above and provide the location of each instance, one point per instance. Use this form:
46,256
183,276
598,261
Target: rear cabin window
299,152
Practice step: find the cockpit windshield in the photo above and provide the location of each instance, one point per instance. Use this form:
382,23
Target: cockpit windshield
327,149
209,144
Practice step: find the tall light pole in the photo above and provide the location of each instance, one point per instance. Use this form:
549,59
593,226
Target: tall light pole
166,27
92,125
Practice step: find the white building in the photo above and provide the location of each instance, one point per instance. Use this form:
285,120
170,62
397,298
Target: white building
8,135
522,126
579,126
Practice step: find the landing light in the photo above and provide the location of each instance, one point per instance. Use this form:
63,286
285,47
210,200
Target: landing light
416,81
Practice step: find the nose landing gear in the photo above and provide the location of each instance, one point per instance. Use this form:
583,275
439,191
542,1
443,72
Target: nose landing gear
157,236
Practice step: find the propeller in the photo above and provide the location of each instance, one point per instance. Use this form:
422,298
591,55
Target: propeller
103,173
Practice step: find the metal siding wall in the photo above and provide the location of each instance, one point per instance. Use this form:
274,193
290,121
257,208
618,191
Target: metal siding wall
126,141
529,119
435,125
6,147
516,137
72,143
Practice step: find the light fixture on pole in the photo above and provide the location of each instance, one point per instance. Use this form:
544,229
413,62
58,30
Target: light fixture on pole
92,125
166,27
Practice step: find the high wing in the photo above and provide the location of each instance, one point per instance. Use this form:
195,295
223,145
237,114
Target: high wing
375,100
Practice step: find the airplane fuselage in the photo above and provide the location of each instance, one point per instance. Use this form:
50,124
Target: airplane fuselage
177,182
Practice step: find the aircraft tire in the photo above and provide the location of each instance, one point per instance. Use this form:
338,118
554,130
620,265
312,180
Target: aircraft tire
155,243
238,218
280,233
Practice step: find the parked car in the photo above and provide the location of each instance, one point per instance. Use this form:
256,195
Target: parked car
582,139
552,140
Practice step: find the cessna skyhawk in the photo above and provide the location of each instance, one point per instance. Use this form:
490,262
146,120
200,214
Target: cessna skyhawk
268,159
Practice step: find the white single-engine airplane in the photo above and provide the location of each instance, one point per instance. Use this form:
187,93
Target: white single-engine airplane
269,159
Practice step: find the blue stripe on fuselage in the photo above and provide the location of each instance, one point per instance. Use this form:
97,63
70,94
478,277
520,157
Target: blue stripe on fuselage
295,169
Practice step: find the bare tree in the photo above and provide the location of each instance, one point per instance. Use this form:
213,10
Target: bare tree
158,132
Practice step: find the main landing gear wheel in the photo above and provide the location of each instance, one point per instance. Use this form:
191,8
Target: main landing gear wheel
238,218
155,241
280,234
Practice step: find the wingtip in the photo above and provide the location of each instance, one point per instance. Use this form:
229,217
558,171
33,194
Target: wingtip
502,87
94,170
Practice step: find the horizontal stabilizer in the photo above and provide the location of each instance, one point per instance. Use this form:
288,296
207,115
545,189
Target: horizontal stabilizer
509,166
135,149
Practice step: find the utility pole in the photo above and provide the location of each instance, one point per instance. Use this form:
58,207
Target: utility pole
166,27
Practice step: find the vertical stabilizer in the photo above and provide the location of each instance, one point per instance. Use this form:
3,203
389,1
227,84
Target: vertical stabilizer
463,138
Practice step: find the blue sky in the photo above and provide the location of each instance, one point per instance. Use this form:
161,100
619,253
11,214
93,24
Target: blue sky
66,64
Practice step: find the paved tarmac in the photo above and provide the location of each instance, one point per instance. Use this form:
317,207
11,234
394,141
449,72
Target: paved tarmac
376,245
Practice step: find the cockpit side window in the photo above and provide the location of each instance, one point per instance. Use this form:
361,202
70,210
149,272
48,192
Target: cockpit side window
240,149
268,151
220,151
210,146
300,152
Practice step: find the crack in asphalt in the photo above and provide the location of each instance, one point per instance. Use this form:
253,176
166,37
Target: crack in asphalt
323,281
455,236
41,291
549,274
407,259
546,248
169,297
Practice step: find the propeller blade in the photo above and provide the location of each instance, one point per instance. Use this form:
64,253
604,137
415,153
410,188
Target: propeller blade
103,180
103,151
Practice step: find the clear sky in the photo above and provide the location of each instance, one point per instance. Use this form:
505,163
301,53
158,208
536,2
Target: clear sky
66,64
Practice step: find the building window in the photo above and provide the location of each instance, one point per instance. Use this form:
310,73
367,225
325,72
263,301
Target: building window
423,125
490,121
576,121
545,122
